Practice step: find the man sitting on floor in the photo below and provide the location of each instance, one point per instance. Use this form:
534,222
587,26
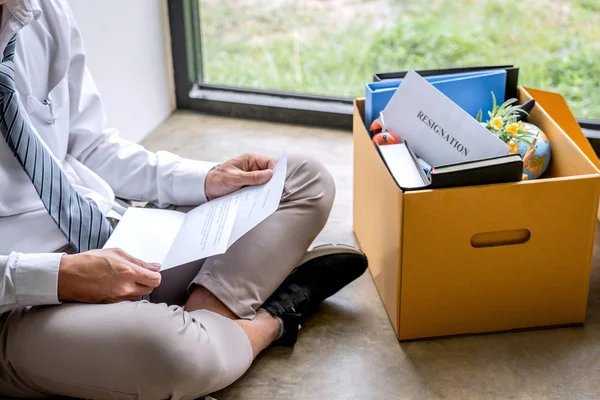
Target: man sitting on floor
71,319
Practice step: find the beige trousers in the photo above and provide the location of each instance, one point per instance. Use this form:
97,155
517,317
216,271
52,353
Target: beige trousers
156,350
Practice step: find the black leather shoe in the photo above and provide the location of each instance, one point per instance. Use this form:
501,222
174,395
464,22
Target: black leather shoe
321,273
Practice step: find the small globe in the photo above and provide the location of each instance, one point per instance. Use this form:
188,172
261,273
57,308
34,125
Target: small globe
536,165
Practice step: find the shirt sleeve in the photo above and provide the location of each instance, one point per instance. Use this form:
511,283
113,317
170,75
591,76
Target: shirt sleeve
28,280
133,172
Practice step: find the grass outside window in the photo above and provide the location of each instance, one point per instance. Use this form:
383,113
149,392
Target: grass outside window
333,47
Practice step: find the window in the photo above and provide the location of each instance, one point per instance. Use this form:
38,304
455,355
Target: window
333,47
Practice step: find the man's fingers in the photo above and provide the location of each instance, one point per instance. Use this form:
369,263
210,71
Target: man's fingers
147,277
257,162
138,262
129,257
263,162
152,266
133,293
142,290
255,178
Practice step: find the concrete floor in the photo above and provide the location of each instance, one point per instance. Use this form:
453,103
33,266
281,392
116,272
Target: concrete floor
349,350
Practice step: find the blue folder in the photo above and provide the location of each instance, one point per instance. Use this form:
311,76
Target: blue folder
472,91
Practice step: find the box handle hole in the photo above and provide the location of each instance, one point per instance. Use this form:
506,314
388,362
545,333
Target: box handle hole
500,238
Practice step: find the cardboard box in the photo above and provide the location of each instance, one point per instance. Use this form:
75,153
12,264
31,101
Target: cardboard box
482,258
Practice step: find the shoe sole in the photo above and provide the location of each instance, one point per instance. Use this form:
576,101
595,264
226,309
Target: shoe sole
329,249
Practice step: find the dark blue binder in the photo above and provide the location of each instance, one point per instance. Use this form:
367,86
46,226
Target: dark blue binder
471,91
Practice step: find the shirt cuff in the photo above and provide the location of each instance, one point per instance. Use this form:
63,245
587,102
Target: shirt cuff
189,180
36,279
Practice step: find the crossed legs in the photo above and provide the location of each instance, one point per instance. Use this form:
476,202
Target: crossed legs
158,351
235,284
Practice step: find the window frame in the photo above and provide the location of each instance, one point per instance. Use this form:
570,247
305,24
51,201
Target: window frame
268,105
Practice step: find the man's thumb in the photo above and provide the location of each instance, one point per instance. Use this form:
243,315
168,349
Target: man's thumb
257,177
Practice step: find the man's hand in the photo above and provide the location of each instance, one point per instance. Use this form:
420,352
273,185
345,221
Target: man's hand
247,169
105,276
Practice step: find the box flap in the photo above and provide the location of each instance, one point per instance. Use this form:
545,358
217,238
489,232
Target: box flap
557,107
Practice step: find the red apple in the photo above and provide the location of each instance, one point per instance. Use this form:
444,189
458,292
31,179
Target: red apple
383,138
376,127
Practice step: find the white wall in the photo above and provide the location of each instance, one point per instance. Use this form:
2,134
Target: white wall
128,56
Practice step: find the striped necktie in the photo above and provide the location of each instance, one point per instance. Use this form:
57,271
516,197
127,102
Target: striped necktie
81,222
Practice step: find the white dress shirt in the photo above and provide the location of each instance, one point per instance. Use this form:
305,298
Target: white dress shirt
65,109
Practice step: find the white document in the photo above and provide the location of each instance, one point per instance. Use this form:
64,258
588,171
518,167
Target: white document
438,130
173,238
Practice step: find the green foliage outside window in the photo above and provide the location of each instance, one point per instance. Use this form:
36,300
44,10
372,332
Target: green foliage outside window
333,48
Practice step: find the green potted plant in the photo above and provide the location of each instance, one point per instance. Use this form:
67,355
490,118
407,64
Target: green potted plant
506,122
